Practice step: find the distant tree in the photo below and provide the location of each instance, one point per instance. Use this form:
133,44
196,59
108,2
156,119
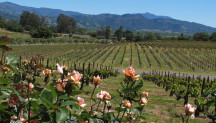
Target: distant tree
92,34
213,36
183,37
129,35
100,31
28,19
119,33
41,32
81,31
108,32
149,37
138,37
201,36
65,24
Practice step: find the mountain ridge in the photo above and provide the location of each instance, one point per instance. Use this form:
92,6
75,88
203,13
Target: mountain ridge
135,21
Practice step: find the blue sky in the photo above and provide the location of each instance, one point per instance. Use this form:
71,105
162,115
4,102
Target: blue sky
200,11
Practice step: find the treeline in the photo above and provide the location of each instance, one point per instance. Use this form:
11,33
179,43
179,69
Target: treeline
128,35
38,27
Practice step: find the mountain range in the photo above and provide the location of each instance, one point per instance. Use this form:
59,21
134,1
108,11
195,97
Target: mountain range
135,21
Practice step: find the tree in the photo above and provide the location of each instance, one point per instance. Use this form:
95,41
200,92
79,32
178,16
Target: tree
129,35
81,31
41,32
213,36
28,19
108,32
201,36
65,24
119,33
149,37
100,31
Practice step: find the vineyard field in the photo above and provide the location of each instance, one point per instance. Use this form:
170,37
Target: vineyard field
177,56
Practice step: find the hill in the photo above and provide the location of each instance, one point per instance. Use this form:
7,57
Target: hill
135,22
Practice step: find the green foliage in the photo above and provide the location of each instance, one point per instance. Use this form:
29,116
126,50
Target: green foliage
201,36
30,20
66,24
129,35
108,32
213,36
119,33
41,32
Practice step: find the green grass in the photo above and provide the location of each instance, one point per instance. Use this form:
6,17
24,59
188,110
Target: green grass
161,108
4,32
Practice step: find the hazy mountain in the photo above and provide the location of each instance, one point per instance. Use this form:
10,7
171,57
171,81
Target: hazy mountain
152,16
135,21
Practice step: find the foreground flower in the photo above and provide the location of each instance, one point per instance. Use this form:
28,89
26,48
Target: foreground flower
22,119
189,110
59,69
31,85
145,94
103,95
127,104
136,77
14,117
130,71
81,102
6,69
143,101
97,80
47,72
59,87
75,77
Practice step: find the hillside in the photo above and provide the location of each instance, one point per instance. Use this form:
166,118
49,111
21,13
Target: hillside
135,22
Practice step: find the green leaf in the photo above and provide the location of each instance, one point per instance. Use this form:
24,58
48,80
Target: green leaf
136,111
4,81
53,90
76,93
210,103
95,121
69,102
62,115
18,94
12,60
76,107
93,99
119,109
13,68
5,48
2,107
47,97
138,86
142,117
65,97
47,94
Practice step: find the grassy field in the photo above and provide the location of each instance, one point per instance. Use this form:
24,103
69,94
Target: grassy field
4,32
161,108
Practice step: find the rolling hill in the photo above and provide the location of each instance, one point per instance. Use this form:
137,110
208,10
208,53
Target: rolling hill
135,21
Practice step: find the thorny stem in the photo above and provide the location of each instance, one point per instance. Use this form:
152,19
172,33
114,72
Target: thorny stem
98,105
104,107
123,114
93,94
119,109
187,119
142,110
